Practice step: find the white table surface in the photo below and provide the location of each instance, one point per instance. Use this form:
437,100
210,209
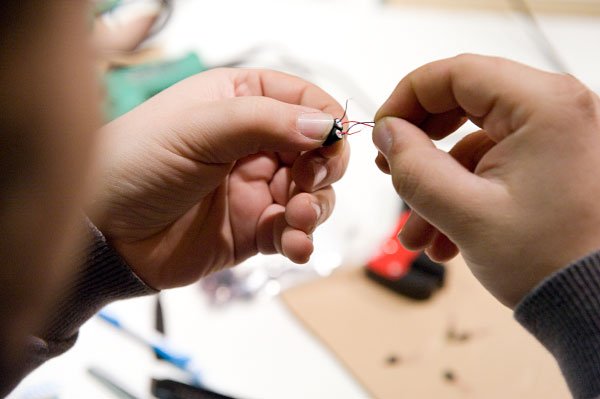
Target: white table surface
355,49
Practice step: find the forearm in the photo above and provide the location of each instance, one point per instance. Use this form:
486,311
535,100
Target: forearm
563,313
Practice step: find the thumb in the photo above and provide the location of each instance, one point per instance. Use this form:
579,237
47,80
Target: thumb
230,129
430,180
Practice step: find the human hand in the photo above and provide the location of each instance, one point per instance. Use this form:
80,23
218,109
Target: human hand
518,198
217,168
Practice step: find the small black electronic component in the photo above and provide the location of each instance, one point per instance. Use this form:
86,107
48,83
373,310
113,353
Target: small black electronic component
336,133
337,130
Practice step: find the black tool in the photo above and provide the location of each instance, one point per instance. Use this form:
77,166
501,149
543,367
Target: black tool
170,389
409,273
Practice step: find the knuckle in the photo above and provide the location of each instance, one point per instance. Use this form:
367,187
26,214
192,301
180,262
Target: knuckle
580,94
406,179
587,102
252,108
327,203
406,186
569,82
468,61
579,98
465,58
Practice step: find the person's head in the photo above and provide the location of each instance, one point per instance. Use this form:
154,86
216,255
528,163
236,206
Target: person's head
48,113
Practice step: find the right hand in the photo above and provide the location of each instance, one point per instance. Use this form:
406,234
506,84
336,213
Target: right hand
520,198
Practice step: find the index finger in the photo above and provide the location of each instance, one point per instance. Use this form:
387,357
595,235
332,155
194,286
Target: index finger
330,161
495,93
286,88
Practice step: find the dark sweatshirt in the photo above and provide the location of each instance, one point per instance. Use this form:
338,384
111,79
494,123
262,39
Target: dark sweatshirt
563,313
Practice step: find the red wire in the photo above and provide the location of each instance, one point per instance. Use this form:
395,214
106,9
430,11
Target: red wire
369,124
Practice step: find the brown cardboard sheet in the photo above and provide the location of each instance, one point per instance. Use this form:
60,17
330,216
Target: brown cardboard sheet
578,7
462,343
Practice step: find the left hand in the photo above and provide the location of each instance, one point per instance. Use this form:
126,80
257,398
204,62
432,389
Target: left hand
216,169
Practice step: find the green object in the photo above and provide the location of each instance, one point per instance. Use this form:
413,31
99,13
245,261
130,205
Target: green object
104,6
130,86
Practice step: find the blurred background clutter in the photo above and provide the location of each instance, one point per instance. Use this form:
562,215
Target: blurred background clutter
364,318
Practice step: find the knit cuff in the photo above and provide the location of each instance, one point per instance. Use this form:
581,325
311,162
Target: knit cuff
103,277
563,313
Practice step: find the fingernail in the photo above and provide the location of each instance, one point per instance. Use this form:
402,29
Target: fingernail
317,209
315,125
382,137
320,172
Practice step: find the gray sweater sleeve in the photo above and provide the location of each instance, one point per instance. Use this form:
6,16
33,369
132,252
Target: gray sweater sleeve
563,313
102,277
